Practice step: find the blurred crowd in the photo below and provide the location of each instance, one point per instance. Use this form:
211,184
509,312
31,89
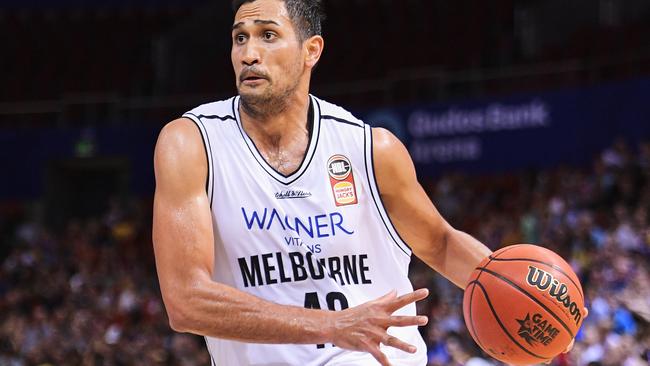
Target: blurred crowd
595,217
87,294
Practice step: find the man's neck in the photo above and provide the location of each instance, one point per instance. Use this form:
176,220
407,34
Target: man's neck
278,129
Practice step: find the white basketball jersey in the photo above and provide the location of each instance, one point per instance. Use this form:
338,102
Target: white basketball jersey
319,237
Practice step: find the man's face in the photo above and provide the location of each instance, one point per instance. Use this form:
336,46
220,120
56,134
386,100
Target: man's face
267,55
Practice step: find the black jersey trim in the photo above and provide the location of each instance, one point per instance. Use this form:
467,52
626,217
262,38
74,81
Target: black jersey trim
341,120
381,200
314,120
244,137
208,154
214,116
313,103
369,164
207,345
205,149
211,164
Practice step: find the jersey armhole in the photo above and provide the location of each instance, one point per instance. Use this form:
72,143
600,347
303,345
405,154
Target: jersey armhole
209,179
374,192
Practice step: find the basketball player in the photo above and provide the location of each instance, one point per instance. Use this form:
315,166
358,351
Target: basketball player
274,208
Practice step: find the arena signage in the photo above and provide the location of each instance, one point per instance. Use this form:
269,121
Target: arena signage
519,131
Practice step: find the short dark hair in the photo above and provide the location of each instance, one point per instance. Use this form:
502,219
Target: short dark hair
307,15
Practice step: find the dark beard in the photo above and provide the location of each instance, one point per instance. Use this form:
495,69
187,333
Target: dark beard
260,106
269,104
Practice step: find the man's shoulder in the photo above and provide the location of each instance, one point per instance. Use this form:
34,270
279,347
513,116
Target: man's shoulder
336,113
221,109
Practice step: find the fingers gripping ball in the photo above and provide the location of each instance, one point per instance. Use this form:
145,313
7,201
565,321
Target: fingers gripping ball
523,304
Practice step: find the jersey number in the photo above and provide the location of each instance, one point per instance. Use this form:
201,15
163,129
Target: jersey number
332,298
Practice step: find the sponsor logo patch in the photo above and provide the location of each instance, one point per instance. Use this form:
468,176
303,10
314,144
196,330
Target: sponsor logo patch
536,330
339,167
342,180
291,194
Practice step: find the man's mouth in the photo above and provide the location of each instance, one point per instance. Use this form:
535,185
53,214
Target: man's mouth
249,78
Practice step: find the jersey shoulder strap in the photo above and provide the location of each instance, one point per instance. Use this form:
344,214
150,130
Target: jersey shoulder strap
205,117
219,110
333,112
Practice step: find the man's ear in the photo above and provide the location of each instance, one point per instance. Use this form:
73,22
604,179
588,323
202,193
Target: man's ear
314,49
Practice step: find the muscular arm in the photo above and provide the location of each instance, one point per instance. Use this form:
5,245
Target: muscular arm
451,252
183,246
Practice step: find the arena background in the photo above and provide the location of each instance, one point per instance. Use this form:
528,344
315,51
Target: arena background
528,120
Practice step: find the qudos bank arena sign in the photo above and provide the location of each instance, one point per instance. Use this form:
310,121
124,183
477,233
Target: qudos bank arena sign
522,131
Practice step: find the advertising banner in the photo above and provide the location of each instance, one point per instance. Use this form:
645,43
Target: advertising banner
479,136
522,131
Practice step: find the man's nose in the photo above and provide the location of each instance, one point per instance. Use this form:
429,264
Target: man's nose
251,54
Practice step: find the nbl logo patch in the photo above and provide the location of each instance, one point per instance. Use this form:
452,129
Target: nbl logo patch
339,167
342,180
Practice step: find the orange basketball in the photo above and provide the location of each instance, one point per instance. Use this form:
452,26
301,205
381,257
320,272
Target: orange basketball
523,304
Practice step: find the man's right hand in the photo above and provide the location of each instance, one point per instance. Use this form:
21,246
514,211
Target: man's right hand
364,327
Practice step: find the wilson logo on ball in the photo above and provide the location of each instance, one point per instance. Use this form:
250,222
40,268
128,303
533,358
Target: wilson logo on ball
537,330
545,281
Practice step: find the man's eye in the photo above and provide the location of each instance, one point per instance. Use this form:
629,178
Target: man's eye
269,36
240,38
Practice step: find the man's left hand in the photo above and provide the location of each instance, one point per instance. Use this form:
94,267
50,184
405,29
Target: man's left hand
573,341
